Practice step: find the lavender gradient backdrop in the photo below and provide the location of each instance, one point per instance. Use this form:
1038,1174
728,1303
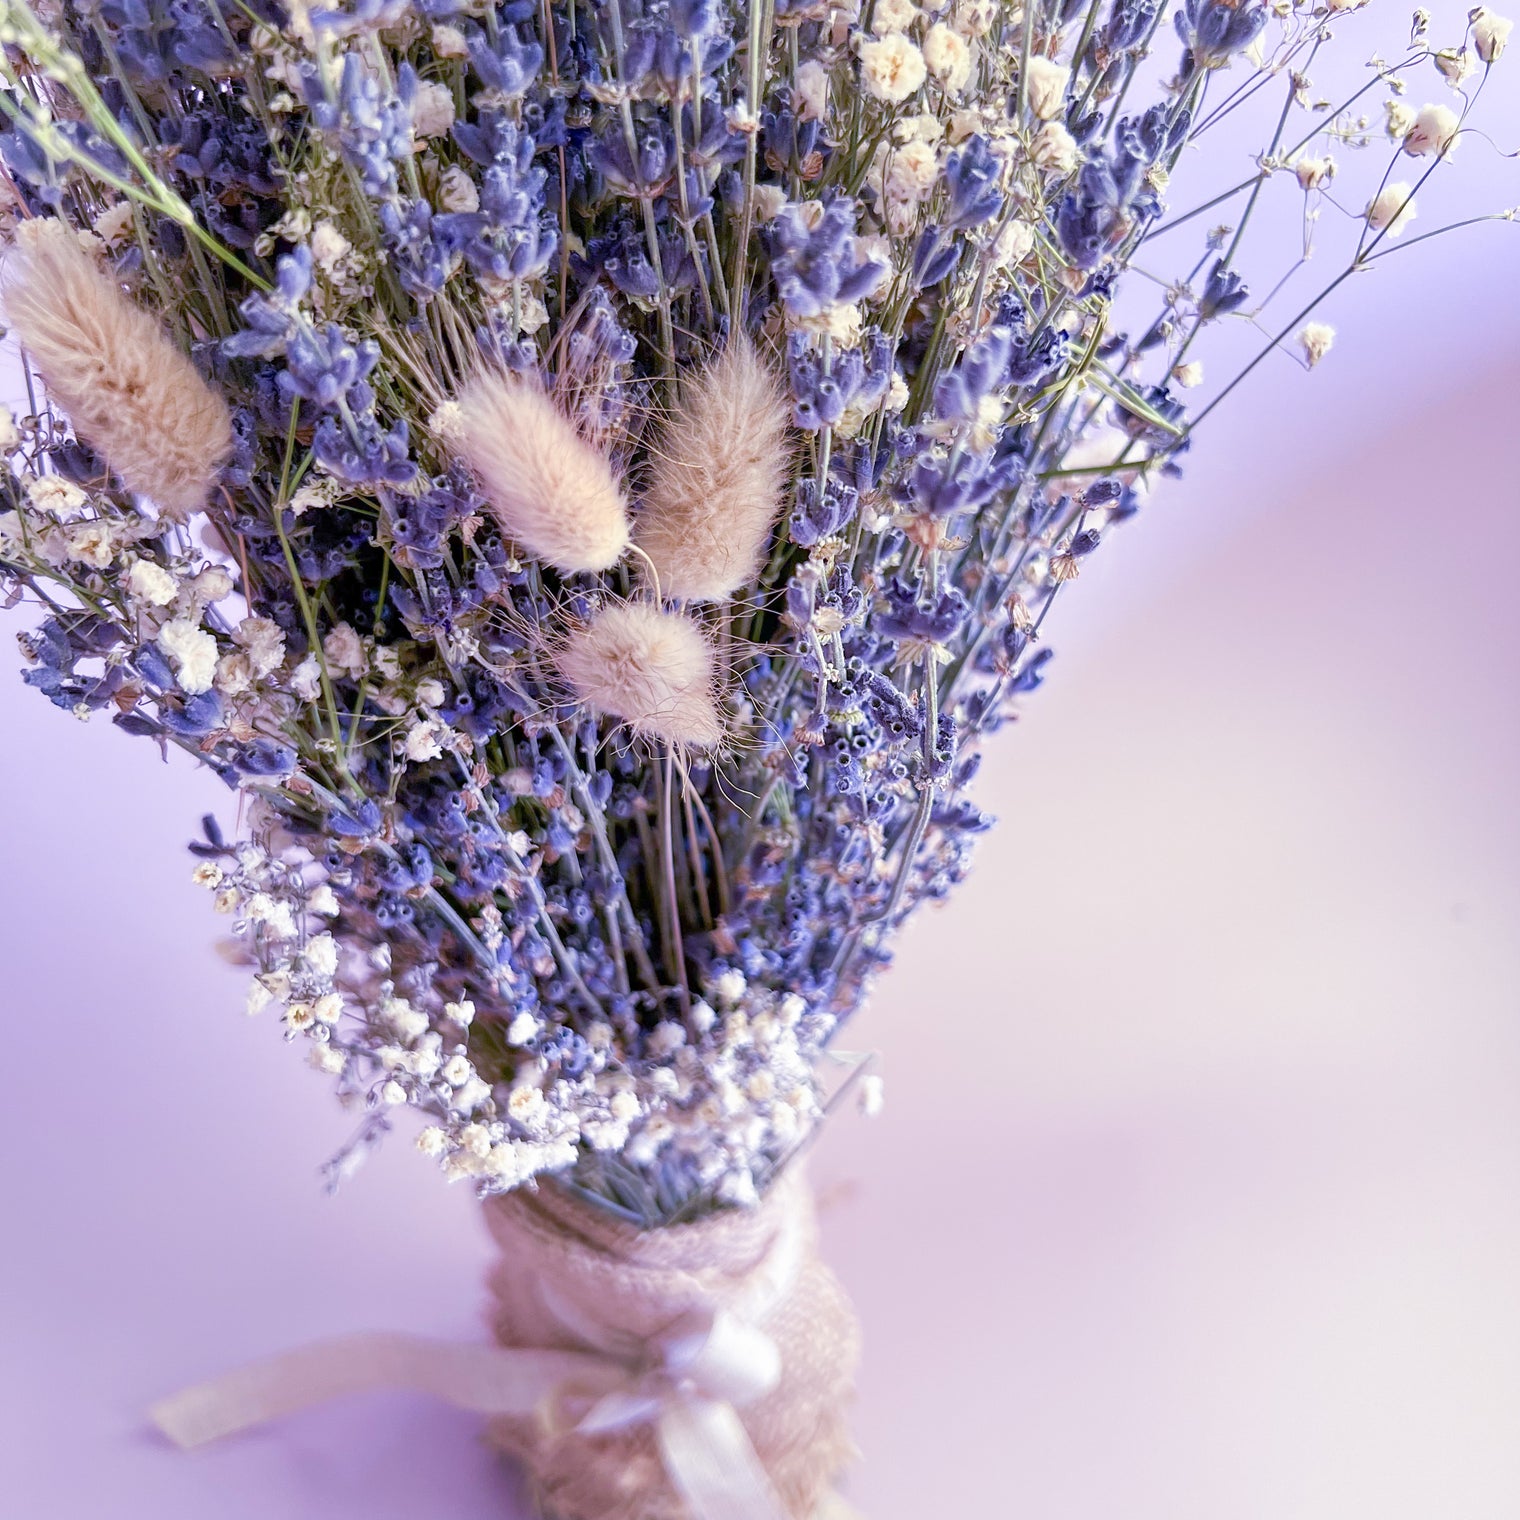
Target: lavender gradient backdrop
1195,1194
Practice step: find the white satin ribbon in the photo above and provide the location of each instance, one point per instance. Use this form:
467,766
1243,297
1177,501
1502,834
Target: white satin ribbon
687,1382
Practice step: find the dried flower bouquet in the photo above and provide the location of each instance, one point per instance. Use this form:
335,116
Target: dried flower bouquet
589,473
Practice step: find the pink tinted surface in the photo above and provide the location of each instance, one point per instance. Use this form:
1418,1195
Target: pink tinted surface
1195,1191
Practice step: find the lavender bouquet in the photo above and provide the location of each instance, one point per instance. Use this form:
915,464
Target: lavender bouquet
589,474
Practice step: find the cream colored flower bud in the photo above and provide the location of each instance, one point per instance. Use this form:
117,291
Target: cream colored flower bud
1314,172
892,68
812,90
1045,88
1400,116
1391,209
1434,131
1316,340
948,57
1490,34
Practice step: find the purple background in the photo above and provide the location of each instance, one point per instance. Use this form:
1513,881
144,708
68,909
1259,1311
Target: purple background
1195,1193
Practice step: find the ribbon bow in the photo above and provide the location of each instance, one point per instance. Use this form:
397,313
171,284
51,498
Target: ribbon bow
686,1382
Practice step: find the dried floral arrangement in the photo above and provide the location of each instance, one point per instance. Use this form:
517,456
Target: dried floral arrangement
592,473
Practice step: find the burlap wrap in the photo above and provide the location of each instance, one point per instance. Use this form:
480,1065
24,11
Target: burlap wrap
571,1274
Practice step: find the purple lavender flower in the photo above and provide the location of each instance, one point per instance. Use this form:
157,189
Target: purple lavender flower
814,260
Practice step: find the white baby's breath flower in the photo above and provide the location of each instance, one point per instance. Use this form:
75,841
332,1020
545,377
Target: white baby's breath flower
811,90
293,227
306,679
843,322
328,245
1316,339
258,998
1399,117
1014,244
729,987
329,1007
328,1059
1434,131
234,674
1490,34
462,1012
151,583
904,177
456,1071
761,1086
1188,375
433,1141
508,1162
1045,88
92,543
1054,149
421,741
947,55
522,1029
893,16
393,1093
768,201
665,1038
193,652
527,1105
408,1022
963,123
114,224
974,18
315,491
207,874
892,69
209,584
264,641
344,651
321,955
1314,172
922,126
468,1098
1456,66
450,42
432,111
456,190
273,914
1391,209
54,495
